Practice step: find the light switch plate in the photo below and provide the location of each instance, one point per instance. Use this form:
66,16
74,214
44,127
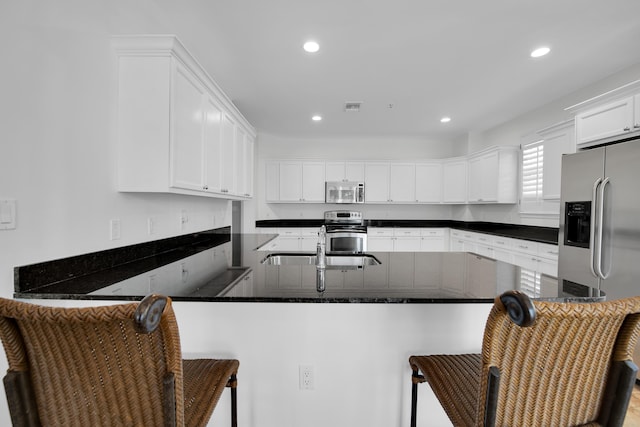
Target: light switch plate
7,214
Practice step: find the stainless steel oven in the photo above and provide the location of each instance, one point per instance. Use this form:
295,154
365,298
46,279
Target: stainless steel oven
345,232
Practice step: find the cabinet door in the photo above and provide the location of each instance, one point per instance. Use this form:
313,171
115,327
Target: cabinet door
402,182
272,181
561,141
475,180
354,171
344,171
433,244
407,244
186,140
290,182
483,178
248,168
334,171
636,113
212,145
313,182
377,182
380,244
609,120
454,180
401,270
228,152
429,182
481,277
239,170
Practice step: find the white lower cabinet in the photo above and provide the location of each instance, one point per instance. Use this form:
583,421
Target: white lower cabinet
538,257
243,288
291,239
481,273
400,239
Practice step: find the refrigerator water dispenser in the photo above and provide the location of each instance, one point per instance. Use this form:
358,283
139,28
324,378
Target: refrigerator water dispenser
577,224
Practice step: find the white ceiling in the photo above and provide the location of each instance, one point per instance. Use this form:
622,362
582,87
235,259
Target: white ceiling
468,59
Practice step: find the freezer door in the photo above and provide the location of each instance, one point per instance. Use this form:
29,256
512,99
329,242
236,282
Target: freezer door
580,172
621,224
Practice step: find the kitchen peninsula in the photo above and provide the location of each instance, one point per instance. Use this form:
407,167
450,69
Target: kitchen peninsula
271,318
219,266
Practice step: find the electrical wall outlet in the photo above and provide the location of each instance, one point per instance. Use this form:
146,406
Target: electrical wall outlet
184,219
115,229
151,225
307,377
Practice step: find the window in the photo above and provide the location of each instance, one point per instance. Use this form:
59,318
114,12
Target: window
532,171
530,283
541,169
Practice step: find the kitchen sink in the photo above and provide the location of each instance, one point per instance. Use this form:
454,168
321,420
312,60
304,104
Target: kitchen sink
332,261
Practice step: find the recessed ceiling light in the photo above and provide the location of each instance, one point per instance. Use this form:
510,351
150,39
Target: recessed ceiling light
445,120
311,46
541,51
316,118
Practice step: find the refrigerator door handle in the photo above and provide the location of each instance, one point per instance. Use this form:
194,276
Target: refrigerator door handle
592,231
603,187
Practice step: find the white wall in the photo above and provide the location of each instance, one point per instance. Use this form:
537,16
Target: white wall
57,121
57,152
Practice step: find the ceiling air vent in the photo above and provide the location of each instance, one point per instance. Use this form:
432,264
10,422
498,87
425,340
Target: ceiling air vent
352,106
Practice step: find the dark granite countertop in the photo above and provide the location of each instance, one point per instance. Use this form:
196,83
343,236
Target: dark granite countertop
212,266
527,232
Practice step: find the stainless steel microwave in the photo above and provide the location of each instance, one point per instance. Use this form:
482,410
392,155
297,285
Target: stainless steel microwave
344,192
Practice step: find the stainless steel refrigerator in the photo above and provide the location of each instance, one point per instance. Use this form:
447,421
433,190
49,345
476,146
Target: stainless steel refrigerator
599,234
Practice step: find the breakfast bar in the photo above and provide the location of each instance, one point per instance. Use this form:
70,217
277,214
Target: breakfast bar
355,337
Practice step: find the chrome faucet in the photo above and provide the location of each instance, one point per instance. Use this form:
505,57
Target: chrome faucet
321,259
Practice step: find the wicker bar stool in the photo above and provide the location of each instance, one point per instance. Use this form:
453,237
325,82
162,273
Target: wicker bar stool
109,365
542,364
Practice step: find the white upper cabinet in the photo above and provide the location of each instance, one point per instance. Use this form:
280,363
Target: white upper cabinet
429,182
402,183
608,116
636,112
296,182
212,145
454,180
177,132
187,124
493,176
612,119
228,155
345,171
558,140
376,180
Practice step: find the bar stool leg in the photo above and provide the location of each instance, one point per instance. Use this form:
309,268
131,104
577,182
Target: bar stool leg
414,396
234,400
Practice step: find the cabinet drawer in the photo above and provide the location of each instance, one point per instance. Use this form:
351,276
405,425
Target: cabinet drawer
548,251
380,232
406,232
289,232
525,246
485,239
432,232
309,231
502,242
